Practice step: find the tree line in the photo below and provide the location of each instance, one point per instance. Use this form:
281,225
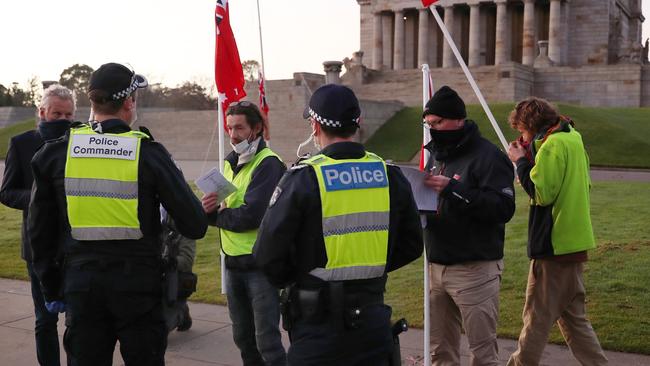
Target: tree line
188,95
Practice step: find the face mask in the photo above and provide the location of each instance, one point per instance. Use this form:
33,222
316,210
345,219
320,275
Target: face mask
304,143
447,138
54,129
242,147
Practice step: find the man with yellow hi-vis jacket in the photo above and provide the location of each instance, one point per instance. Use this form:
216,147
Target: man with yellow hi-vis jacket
336,224
98,190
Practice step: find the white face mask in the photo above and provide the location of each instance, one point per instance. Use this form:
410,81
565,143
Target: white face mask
242,147
304,143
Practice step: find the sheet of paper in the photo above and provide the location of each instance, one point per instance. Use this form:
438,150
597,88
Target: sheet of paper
425,197
213,181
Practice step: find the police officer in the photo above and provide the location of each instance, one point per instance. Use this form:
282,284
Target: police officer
336,224
99,189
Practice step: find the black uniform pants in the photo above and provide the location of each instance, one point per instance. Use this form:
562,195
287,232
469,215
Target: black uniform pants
324,343
107,303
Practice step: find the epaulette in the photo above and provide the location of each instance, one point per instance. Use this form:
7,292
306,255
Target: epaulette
146,131
296,167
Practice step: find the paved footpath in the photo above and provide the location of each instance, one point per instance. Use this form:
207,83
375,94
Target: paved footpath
209,342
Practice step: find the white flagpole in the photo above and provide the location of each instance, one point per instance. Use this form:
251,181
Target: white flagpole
425,156
469,76
221,162
259,23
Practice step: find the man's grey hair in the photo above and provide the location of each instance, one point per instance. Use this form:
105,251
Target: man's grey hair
59,91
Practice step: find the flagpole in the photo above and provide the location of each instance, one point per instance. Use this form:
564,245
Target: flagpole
469,76
259,25
425,156
221,163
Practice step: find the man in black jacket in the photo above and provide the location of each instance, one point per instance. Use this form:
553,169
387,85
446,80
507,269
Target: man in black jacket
55,113
336,225
464,238
99,188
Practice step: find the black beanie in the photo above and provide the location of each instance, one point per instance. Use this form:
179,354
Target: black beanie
446,103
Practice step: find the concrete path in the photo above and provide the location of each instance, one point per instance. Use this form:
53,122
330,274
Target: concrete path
193,169
209,342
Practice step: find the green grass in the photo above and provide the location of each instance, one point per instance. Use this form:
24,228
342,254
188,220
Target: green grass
616,275
7,133
615,137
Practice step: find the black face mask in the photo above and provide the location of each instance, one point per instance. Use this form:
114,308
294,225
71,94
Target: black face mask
54,129
447,138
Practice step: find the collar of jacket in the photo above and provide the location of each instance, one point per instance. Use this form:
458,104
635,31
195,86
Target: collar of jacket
539,139
471,134
344,150
114,125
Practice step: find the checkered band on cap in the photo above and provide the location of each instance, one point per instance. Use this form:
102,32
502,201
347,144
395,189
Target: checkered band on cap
126,92
328,122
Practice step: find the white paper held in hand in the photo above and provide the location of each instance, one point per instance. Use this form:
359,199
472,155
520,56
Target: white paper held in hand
213,181
425,197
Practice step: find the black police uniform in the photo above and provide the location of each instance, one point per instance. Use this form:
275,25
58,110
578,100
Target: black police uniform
290,244
112,289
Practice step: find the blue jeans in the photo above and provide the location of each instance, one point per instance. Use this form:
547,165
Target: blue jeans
47,337
254,307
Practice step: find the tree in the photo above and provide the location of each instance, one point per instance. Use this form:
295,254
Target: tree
5,97
76,77
251,69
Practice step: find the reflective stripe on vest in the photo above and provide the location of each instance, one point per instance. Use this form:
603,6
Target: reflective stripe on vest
101,184
355,203
241,243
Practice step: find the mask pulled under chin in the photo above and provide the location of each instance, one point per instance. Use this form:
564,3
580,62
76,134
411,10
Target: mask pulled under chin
53,129
305,143
447,138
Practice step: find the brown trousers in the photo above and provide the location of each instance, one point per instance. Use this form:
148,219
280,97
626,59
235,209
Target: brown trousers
467,293
556,292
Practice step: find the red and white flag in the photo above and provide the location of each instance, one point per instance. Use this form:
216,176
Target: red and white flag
264,106
428,3
228,73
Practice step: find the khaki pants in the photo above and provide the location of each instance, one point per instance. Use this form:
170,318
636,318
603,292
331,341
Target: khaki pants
556,292
469,293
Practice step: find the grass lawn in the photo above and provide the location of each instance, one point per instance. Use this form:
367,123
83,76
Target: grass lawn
7,133
616,276
613,136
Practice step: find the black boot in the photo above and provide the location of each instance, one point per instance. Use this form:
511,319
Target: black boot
186,320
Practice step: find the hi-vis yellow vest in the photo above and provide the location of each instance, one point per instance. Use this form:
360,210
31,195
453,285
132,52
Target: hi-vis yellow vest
101,184
355,204
241,243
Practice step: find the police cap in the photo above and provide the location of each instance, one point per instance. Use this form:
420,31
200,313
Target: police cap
117,81
333,106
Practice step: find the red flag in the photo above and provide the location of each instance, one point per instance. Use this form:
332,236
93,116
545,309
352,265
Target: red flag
264,106
228,73
428,3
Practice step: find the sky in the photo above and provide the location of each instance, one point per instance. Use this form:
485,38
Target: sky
173,41
170,41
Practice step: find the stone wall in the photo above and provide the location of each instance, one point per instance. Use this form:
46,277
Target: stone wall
597,86
11,115
645,86
589,25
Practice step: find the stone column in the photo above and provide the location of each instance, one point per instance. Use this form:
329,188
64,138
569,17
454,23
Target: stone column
332,72
398,54
501,51
528,50
378,43
448,58
474,35
423,37
555,32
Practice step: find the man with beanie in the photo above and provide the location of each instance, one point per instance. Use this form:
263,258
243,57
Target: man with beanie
99,189
337,223
55,114
464,237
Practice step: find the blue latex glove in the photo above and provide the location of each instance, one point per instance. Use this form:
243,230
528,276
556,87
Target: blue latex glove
55,307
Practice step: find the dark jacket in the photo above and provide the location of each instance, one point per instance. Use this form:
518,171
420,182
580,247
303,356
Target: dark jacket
474,207
159,182
17,180
290,241
249,215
